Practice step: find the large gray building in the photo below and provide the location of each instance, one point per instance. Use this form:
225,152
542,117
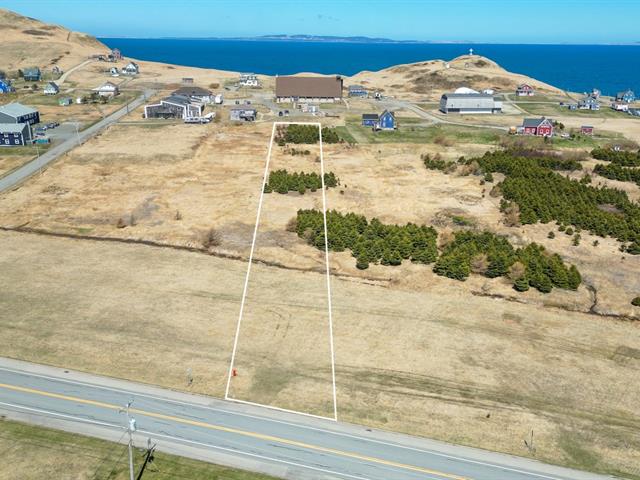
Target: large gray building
174,106
18,113
12,134
470,103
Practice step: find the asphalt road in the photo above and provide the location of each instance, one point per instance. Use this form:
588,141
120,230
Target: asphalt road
20,174
278,443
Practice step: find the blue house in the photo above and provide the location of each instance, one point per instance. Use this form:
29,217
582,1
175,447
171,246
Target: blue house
387,121
626,97
357,91
5,86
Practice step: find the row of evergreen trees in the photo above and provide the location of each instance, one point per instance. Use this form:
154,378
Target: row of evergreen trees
369,241
618,157
493,256
542,194
483,253
617,172
283,182
436,162
305,134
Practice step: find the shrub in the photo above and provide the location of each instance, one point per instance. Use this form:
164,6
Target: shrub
211,238
283,182
528,266
368,241
636,302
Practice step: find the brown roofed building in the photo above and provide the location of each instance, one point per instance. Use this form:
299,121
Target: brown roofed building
309,89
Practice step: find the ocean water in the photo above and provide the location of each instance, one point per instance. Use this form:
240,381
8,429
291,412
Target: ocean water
577,68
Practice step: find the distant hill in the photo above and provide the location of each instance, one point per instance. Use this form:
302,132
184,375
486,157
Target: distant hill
330,38
29,42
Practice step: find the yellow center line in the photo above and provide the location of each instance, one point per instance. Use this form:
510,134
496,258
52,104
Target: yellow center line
245,433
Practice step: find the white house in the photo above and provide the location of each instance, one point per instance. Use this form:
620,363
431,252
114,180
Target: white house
114,72
51,88
132,68
107,89
248,80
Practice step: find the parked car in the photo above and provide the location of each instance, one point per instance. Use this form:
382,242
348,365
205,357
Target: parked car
52,124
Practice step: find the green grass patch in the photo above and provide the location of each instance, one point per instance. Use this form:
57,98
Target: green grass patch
442,134
37,452
345,135
548,109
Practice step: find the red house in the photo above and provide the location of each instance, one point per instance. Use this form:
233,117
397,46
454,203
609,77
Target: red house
525,90
541,127
586,130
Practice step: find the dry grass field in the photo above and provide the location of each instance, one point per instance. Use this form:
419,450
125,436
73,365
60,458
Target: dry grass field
471,362
411,361
177,182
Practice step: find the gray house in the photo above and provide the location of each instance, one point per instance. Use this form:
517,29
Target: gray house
13,134
469,103
18,113
243,113
589,103
174,106
32,74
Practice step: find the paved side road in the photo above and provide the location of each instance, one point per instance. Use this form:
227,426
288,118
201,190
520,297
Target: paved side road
25,171
286,445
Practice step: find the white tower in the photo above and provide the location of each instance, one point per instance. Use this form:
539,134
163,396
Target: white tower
471,52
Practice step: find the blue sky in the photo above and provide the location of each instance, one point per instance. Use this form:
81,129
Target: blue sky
515,21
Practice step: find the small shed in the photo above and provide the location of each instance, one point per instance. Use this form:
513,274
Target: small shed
65,101
586,130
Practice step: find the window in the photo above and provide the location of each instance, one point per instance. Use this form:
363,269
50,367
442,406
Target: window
6,141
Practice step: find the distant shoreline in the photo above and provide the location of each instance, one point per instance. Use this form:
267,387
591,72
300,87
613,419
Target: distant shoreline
362,40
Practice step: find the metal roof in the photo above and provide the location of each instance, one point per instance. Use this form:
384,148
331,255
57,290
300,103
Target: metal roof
532,122
177,99
468,95
370,116
309,87
356,87
193,92
17,109
13,127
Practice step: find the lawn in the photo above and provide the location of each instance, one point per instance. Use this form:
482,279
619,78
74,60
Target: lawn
407,132
556,109
31,452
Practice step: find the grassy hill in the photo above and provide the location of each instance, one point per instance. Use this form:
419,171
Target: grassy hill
30,42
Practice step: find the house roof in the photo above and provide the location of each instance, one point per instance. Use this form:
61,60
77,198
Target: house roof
107,86
370,116
52,85
467,95
243,108
525,86
388,112
177,99
586,126
12,127
17,109
31,71
356,87
533,122
317,87
193,92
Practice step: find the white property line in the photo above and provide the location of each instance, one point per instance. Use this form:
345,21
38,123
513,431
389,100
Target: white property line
246,281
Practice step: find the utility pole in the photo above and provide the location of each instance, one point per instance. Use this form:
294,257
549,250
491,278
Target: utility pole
148,458
131,427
